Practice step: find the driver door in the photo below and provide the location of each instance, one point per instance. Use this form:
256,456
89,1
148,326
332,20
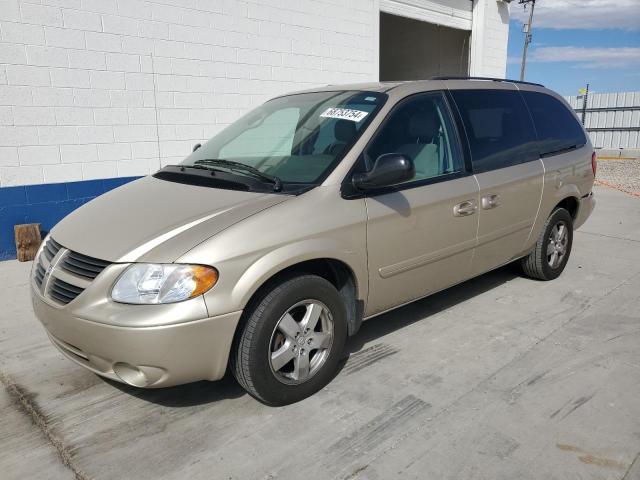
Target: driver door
421,234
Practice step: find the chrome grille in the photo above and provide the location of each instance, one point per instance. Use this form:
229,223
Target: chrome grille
51,248
83,265
72,272
63,292
39,274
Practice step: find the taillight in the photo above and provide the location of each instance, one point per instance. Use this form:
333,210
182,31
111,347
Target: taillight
594,163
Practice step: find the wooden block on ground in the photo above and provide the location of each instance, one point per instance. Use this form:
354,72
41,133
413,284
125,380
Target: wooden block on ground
27,241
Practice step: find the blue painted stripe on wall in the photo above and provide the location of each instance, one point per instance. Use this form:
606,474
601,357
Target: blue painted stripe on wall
45,204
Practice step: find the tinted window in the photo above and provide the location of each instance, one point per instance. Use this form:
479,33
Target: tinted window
557,128
421,129
498,127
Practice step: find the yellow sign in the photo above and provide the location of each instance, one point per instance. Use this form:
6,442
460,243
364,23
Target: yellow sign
582,91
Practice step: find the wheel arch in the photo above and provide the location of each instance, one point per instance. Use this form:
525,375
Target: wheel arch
340,270
567,197
570,203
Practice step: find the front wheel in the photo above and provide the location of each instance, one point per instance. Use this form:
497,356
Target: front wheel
551,252
290,344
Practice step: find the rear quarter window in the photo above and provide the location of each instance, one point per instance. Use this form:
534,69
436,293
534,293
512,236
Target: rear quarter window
557,128
498,128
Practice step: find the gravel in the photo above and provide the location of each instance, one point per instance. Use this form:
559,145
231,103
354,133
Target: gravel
624,174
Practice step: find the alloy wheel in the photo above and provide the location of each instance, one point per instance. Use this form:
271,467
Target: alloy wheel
301,342
557,244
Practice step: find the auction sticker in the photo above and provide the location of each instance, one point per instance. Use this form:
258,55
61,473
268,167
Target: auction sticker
344,114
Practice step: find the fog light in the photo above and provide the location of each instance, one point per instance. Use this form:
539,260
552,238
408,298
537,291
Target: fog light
130,375
139,375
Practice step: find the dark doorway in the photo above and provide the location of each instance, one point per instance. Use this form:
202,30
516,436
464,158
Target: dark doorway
416,50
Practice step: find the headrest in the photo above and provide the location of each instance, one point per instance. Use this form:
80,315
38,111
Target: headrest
423,125
344,130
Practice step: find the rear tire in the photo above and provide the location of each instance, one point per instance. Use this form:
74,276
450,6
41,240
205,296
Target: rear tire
552,249
291,341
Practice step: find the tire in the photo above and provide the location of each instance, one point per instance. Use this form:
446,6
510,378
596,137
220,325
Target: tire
267,339
541,263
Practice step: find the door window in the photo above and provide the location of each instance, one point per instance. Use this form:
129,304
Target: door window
421,129
557,128
498,127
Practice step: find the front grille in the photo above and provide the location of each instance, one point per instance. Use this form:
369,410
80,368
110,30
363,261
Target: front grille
63,292
51,248
83,265
76,268
39,274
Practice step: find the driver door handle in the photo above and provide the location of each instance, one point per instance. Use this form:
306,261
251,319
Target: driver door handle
466,208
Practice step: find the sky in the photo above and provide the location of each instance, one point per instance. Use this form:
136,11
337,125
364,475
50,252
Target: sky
576,42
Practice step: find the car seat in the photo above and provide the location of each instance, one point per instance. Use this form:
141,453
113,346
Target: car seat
423,130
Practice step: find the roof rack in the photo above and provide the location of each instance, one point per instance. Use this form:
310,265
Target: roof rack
492,79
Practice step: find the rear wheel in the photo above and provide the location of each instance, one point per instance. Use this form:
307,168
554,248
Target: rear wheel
290,344
553,247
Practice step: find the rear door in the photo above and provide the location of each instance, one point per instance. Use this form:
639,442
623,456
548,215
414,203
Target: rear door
565,151
508,169
421,233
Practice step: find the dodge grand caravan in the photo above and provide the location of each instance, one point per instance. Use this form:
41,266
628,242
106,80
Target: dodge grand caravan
270,244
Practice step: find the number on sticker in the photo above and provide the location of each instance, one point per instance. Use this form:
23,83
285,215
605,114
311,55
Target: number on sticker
344,114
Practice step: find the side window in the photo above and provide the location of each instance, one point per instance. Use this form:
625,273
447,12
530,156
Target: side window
420,128
272,136
556,126
498,128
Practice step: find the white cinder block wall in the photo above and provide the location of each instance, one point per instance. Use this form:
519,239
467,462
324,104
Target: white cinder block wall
489,38
80,79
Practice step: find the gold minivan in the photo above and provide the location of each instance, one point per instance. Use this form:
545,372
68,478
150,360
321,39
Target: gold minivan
271,243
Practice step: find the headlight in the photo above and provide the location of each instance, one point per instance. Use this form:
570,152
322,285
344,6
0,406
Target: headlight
148,283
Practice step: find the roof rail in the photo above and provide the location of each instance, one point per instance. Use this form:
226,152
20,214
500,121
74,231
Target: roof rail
492,79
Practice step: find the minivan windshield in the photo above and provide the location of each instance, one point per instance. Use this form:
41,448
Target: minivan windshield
292,140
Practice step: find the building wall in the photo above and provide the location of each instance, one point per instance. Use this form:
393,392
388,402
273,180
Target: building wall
77,77
489,38
612,119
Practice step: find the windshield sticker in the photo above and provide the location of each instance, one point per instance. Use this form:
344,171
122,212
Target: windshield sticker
344,114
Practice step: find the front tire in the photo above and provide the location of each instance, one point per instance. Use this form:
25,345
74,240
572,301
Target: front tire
292,340
552,249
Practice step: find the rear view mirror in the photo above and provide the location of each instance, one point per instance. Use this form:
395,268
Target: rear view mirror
196,146
389,169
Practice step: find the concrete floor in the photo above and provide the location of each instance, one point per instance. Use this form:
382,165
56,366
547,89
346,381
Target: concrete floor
499,378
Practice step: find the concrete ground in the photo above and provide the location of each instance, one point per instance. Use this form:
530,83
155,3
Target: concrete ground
499,378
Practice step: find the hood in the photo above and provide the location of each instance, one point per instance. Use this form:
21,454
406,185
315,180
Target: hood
155,220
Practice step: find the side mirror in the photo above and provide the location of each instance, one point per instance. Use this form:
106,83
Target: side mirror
389,169
196,146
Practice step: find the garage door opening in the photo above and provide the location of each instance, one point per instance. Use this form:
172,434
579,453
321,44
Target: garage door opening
416,50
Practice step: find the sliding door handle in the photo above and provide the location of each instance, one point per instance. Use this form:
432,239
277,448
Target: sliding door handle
490,201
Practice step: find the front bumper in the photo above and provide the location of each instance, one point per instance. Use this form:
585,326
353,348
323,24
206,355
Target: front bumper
149,356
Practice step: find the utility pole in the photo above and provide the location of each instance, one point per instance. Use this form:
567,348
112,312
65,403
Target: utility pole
527,29
585,97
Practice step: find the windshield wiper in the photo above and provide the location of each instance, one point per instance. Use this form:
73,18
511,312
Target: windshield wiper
238,166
